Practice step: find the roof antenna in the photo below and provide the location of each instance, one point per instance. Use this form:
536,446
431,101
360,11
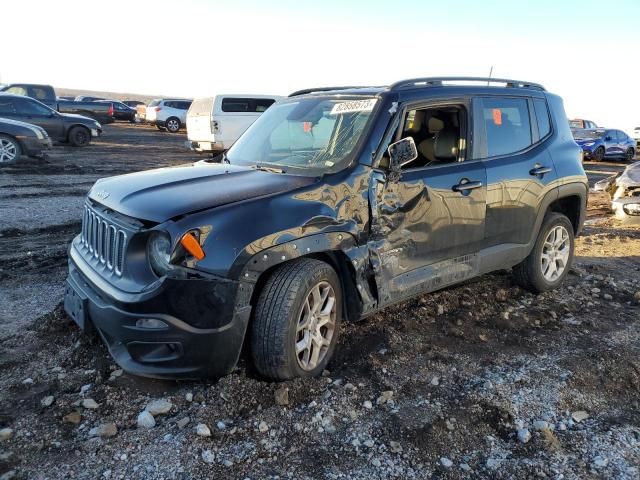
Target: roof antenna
490,73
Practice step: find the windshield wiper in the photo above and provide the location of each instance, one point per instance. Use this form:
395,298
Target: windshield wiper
266,168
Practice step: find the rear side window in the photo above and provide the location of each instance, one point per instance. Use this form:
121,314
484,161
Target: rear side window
39,93
542,117
235,104
251,105
154,103
507,126
262,104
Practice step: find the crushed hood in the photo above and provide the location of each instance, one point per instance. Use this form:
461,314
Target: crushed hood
161,194
630,177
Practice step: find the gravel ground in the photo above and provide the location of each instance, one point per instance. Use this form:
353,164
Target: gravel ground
483,380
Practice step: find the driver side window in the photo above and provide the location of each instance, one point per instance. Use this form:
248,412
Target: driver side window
438,133
26,106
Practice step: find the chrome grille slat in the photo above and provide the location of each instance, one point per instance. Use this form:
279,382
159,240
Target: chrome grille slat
103,241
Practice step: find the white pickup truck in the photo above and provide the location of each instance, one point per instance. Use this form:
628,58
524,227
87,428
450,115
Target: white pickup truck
215,123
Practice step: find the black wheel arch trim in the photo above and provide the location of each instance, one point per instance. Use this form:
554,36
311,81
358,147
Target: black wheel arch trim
331,245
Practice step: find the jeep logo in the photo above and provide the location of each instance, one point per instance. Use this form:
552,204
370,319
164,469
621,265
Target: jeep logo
101,194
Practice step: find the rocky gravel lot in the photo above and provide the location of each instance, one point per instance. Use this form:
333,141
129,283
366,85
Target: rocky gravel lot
483,380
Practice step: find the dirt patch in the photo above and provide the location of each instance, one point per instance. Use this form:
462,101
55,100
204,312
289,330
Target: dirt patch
442,386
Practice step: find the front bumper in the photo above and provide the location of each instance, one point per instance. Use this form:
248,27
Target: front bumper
178,349
35,147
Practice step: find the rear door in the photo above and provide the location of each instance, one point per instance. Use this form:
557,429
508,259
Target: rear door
510,134
199,120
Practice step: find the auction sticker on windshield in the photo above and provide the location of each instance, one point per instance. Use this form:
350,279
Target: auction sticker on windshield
354,106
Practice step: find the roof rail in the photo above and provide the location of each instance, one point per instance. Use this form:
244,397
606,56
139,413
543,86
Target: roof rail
438,82
321,89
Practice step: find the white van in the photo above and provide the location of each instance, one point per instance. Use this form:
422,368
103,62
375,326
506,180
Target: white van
215,123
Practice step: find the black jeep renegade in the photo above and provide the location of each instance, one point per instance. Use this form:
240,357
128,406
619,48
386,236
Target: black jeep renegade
335,203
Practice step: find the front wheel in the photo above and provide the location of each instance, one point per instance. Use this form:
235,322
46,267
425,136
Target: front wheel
598,155
79,136
10,150
550,260
297,320
630,154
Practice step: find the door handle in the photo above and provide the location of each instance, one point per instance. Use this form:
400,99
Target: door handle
539,170
466,185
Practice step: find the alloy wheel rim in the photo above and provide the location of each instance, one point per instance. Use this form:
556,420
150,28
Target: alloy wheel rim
599,154
316,326
8,151
555,253
173,125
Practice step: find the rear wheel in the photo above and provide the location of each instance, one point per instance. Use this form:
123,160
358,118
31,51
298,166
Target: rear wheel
173,124
550,260
630,154
297,320
10,150
79,136
598,155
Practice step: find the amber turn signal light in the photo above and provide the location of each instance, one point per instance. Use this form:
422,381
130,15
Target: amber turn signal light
191,245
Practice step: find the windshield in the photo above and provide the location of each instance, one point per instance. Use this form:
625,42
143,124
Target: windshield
580,134
306,133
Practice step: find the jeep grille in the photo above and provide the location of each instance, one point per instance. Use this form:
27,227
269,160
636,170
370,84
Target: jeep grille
103,241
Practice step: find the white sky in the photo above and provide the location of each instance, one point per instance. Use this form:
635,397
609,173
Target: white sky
586,51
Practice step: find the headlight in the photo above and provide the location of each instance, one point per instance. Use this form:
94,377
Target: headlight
159,253
631,208
98,125
588,144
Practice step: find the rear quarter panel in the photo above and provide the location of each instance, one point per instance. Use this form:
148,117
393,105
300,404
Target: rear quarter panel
564,151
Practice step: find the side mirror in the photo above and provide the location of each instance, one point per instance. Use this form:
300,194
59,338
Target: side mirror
607,138
402,152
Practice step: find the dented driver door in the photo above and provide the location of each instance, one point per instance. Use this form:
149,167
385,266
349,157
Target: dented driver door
427,227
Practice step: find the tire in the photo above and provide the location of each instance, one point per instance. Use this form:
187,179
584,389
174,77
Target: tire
598,154
285,300
79,136
10,150
630,153
530,273
173,124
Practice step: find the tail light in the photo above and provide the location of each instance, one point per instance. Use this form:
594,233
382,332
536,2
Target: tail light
110,111
157,109
215,126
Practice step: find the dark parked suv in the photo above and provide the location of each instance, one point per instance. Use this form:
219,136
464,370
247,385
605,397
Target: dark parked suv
333,205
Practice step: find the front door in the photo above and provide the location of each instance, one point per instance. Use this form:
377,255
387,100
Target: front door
611,148
30,111
428,221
